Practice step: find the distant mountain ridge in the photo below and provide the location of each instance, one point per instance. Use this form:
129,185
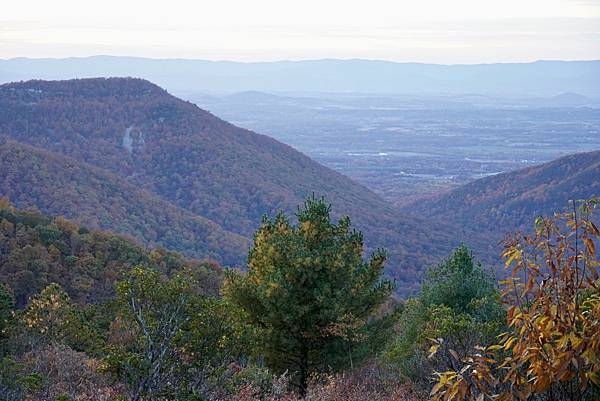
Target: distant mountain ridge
181,154
540,78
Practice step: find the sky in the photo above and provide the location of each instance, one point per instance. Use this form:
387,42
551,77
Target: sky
433,31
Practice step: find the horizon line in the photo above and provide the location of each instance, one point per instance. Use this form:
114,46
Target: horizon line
288,60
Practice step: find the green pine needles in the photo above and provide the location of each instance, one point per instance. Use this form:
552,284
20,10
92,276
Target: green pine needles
311,295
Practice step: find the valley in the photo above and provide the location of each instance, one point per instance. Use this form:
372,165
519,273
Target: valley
177,176
406,148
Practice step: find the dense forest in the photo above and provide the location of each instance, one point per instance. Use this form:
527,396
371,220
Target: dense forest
192,159
87,315
38,250
59,185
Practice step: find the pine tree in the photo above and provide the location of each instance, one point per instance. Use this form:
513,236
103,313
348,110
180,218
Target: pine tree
310,293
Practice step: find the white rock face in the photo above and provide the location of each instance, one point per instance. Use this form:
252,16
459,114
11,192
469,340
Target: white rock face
128,140
133,140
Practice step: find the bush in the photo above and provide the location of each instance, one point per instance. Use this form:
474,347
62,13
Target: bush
69,375
367,383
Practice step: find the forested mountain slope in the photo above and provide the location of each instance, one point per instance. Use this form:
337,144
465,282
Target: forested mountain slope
502,203
205,165
60,185
36,250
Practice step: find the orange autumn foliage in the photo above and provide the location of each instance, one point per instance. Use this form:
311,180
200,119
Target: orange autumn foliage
552,348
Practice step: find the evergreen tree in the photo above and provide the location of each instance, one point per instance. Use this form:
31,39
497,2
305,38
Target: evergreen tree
457,282
458,305
310,293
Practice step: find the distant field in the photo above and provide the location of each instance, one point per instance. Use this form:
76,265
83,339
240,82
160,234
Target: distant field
406,148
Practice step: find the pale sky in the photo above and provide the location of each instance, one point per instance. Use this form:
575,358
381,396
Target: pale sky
439,31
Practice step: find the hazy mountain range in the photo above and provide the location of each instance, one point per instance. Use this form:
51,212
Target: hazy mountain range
541,78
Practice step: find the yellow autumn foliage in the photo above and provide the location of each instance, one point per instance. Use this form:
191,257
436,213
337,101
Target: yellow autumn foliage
552,348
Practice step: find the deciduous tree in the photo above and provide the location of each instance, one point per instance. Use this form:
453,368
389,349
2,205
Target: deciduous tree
552,348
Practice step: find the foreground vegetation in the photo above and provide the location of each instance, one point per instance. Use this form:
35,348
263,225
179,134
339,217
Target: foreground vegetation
92,316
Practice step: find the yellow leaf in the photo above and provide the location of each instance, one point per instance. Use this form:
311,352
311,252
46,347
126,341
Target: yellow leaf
590,245
433,350
436,388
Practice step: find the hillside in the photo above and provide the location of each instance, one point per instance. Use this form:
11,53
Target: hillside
502,203
62,186
200,163
38,250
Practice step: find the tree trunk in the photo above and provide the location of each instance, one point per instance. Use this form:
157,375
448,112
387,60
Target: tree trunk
303,369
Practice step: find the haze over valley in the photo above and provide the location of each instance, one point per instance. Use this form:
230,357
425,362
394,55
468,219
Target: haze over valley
410,147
